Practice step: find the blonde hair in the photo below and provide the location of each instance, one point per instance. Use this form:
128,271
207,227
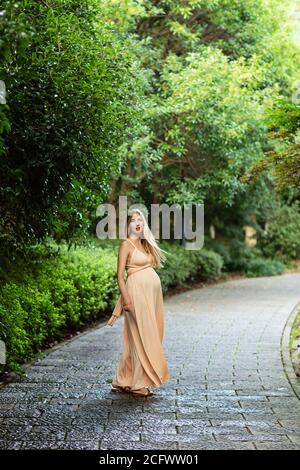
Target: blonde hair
149,243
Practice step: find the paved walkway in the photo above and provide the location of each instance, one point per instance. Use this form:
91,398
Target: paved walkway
229,389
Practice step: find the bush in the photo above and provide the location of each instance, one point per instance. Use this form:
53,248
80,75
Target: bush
241,255
188,265
235,253
13,325
238,256
61,294
264,267
282,237
62,290
222,248
74,96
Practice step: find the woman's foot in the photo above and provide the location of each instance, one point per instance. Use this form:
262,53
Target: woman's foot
142,392
117,388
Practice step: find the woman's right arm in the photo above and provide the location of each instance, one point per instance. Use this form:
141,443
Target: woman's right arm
122,258
125,299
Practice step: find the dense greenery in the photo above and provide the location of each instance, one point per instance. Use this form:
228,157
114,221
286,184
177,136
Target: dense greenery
283,160
169,101
281,235
252,261
216,67
162,101
61,291
72,97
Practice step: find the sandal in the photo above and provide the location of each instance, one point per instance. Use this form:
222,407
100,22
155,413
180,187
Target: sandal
139,392
117,388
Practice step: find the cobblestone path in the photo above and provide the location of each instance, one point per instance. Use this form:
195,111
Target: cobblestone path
232,385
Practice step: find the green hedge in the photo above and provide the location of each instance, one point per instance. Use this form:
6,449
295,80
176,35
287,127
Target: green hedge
264,267
63,291
188,265
281,238
61,294
242,258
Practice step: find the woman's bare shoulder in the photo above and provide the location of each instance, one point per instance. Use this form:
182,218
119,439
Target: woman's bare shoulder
124,246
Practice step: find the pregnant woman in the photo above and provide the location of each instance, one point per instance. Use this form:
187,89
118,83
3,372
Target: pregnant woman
143,363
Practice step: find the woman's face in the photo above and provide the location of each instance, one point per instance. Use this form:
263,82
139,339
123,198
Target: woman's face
136,224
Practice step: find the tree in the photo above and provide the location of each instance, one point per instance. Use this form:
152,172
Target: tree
283,160
72,99
216,67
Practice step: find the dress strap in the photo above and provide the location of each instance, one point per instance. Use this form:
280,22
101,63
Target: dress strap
131,242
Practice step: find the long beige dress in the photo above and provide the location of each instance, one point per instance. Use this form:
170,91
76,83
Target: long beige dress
143,362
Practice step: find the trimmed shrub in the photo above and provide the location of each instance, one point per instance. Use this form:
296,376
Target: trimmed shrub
65,290
188,265
282,237
264,267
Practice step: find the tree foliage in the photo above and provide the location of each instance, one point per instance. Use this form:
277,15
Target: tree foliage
283,160
216,67
164,101
72,98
